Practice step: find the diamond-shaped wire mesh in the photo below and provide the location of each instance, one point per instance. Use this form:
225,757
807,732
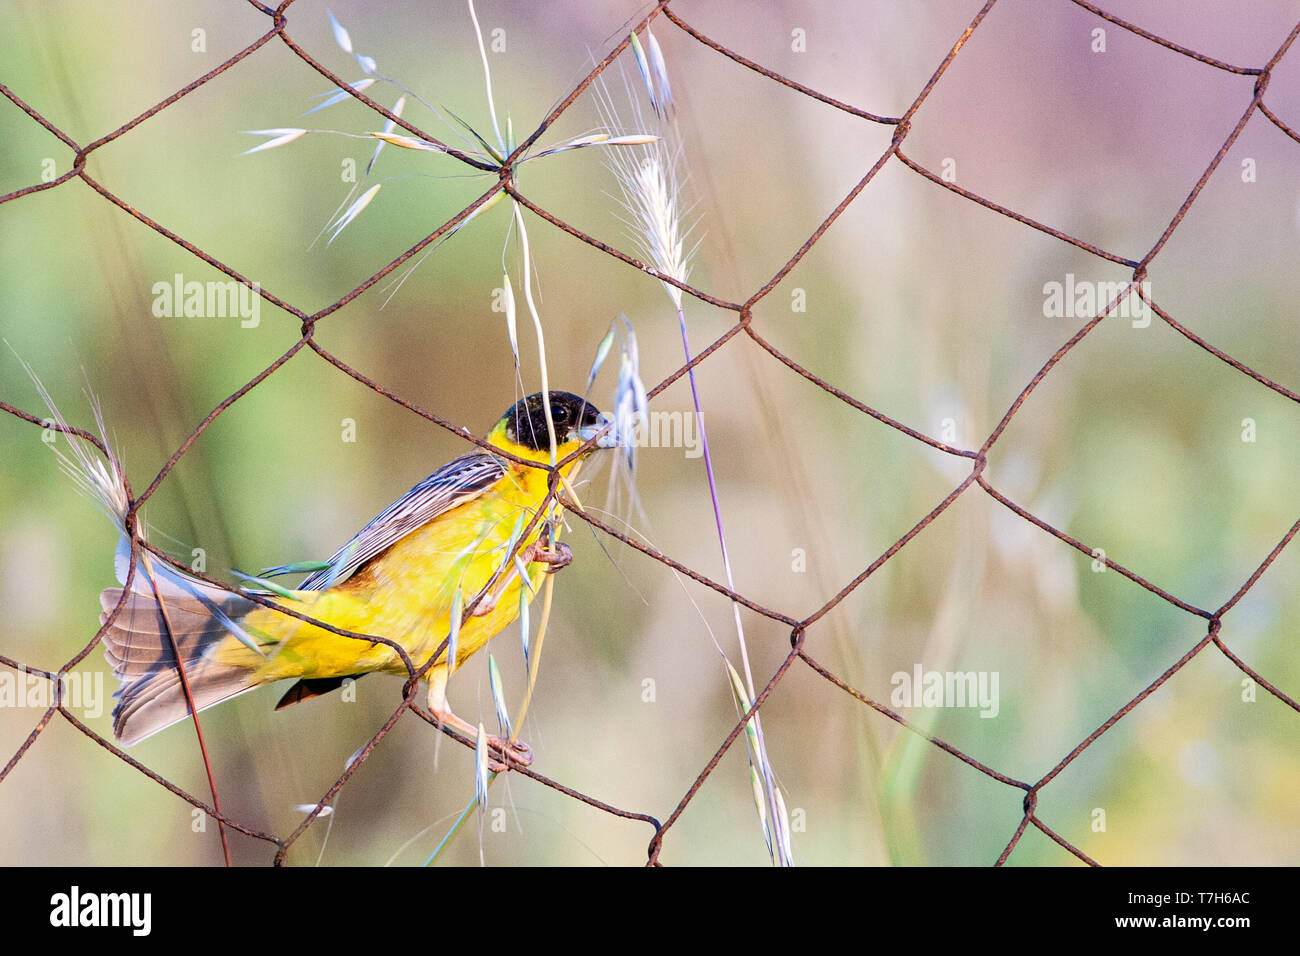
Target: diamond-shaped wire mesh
800,626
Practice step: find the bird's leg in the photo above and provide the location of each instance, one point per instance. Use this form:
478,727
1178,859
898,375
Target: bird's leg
501,752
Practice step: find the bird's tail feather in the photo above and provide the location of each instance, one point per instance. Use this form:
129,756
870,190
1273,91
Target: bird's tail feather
137,645
139,648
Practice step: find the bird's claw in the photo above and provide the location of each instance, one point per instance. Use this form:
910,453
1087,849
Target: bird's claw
505,753
554,557
561,556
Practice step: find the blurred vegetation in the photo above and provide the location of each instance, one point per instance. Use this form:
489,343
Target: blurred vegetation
918,302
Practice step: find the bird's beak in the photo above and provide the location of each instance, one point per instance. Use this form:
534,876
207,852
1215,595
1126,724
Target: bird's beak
606,425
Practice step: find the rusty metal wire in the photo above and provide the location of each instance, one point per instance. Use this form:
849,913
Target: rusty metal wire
799,627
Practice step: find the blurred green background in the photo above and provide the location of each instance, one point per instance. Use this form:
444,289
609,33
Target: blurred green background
918,302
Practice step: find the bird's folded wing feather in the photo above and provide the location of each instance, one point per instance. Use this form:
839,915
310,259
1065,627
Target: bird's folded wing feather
455,483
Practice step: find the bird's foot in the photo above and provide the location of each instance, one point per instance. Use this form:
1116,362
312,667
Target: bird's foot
538,552
559,556
502,753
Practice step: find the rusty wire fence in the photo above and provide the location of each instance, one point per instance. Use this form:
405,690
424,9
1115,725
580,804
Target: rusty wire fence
658,829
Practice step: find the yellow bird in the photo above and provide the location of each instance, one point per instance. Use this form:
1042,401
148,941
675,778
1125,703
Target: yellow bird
445,542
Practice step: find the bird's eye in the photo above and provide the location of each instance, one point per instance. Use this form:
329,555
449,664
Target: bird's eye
560,414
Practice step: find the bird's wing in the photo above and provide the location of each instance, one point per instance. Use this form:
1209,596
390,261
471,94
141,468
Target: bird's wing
455,483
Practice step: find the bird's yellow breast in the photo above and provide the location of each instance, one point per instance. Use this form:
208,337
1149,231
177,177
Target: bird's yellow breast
406,593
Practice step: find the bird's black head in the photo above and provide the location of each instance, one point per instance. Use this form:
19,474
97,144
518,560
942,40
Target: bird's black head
526,421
